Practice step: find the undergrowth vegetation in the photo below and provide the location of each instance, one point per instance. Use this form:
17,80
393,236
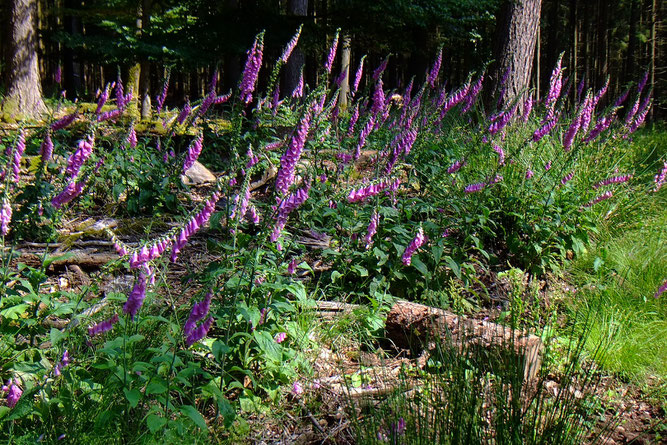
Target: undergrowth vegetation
420,193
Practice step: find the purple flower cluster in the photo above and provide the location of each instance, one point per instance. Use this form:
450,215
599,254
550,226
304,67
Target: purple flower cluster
358,195
433,74
132,137
501,154
527,108
287,205
82,153
332,53
198,312
5,217
454,99
661,290
252,66
104,96
353,120
380,69
601,126
71,191
659,179
187,108
193,225
555,86
286,174
290,46
13,391
529,174
280,337
372,229
567,178
545,129
471,97
502,120
363,135
474,188
456,166
103,326
194,150
601,92
64,122
606,195
641,115
61,364
613,180
415,244
136,298
111,114
19,148
46,149
378,99
298,89
163,94
357,76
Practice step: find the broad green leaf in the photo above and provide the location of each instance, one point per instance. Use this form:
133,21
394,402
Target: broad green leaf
195,415
155,422
133,396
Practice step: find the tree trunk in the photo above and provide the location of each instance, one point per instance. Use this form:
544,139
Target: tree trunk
72,67
144,78
24,94
516,34
345,62
298,8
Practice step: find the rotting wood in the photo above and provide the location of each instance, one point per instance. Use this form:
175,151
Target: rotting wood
414,325
87,258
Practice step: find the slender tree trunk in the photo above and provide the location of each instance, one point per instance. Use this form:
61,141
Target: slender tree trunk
72,67
631,56
144,78
654,43
516,34
24,94
345,62
298,8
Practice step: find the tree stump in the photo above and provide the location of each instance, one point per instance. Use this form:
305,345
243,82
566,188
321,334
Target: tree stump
412,326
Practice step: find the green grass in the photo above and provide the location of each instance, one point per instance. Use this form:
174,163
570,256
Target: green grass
618,276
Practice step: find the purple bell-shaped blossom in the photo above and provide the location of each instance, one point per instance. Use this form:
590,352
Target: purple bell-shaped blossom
46,149
82,153
194,150
332,54
435,71
136,298
103,326
252,66
659,178
14,393
415,244
64,122
286,175
357,76
372,229
71,191
5,217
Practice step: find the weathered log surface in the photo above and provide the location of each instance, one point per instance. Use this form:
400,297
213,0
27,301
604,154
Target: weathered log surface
413,325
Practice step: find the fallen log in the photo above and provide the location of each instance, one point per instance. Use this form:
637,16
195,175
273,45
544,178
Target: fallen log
413,326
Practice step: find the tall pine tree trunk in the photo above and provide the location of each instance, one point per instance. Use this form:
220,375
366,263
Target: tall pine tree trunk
24,94
345,62
516,34
295,63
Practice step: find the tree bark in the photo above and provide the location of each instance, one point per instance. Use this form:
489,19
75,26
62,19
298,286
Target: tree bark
24,94
516,34
298,8
345,62
144,78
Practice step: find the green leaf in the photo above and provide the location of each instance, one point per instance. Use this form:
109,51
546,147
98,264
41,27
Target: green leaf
419,265
56,335
335,275
155,422
456,268
14,312
155,388
133,396
196,417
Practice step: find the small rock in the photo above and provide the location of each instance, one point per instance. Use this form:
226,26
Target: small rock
198,174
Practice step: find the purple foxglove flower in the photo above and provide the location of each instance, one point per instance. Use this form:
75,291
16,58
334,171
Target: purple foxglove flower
69,193
64,121
184,112
217,100
332,53
19,148
661,290
580,88
545,129
252,158
287,52
287,205
60,365
102,100
659,179
572,130
601,126
613,180
456,166
252,66
555,85
353,120
163,94
455,98
206,103
297,388
527,108
288,161
606,195
120,93
82,153
501,154
372,229
474,188
199,332
529,174
109,115
132,137
567,178
415,244
136,298
357,76
46,149
547,166
59,74
587,113
251,215
280,337
471,97
433,74
622,98
194,224
274,145
298,90
14,393
641,116
380,69
194,150
5,217
502,120
601,93
103,326
198,312
363,135
642,83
